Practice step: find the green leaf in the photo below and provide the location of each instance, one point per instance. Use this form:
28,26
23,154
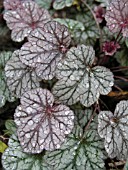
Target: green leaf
122,58
15,158
10,127
90,34
60,4
4,91
3,146
79,80
126,42
79,152
44,3
126,166
72,25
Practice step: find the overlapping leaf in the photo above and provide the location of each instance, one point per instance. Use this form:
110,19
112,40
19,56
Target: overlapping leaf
113,128
46,48
20,77
15,158
104,3
4,91
25,19
78,80
42,125
71,24
80,151
90,34
60,4
117,17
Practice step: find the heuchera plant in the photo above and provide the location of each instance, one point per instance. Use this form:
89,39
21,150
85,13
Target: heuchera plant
60,80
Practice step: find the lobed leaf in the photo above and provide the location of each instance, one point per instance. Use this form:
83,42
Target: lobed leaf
84,153
46,48
42,125
4,90
117,17
60,4
20,78
113,128
15,158
78,80
26,19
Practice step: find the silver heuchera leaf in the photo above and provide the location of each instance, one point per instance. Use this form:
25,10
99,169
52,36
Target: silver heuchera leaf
5,93
78,80
79,153
15,159
20,78
60,4
114,129
117,16
42,125
13,4
46,48
25,19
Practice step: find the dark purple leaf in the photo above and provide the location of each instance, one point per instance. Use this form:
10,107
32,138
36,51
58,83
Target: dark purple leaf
42,125
117,16
25,19
46,48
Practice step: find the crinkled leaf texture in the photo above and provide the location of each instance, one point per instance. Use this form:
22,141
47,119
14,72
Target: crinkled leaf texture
25,19
60,4
114,129
15,158
46,48
78,80
42,125
19,77
4,91
80,151
117,16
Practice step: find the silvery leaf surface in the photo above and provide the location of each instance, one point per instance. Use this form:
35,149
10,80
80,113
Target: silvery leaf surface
79,80
113,128
42,124
20,77
26,19
5,94
79,152
15,158
46,48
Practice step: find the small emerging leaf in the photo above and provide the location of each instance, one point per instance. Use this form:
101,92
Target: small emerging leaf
42,125
3,146
10,127
60,4
113,128
79,80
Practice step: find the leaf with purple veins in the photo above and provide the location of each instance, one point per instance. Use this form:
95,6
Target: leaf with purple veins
46,48
113,128
42,124
117,17
20,77
26,19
